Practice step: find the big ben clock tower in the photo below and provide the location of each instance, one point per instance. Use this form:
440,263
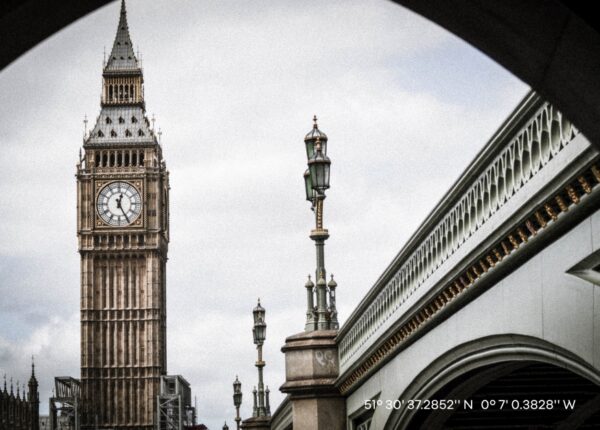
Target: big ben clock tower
123,230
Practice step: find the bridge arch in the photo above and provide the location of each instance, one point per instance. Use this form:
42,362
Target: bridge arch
470,366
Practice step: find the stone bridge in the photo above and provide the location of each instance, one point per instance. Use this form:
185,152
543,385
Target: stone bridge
490,314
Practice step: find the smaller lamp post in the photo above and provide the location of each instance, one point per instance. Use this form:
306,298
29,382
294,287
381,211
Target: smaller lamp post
259,332
237,400
225,426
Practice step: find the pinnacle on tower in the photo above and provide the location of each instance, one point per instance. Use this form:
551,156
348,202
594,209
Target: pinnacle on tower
32,381
122,56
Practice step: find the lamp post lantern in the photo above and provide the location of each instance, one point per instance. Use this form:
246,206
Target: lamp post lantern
323,316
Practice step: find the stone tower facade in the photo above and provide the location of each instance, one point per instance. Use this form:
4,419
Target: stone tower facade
123,231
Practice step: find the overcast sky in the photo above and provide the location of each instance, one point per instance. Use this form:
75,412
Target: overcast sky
234,85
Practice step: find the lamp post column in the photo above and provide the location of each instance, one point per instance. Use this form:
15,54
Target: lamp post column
261,416
320,235
260,364
237,400
259,332
311,363
316,182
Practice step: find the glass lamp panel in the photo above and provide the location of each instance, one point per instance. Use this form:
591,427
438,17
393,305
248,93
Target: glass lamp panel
308,188
321,176
261,331
313,168
310,148
319,172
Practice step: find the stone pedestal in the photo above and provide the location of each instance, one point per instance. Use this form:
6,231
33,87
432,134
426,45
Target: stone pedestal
257,423
311,367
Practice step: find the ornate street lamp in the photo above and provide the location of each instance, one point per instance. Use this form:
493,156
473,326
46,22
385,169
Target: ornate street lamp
237,400
259,332
323,316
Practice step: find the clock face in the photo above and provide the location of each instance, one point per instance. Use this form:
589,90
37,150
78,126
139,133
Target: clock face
119,204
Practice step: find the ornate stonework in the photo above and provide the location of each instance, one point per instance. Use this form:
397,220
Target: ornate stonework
123,231
521,155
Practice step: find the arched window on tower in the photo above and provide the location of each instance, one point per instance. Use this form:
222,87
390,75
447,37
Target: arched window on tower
121,120
100,134
140,132
108,121
133,119
113,133
127,133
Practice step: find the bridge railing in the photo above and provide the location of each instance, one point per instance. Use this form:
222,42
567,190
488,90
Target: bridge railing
489,191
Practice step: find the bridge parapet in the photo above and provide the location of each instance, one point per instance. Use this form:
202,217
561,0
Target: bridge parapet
512,172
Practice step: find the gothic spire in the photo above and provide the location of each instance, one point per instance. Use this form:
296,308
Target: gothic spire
122,58
32,380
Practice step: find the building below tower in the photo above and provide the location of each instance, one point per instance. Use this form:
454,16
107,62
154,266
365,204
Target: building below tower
20,410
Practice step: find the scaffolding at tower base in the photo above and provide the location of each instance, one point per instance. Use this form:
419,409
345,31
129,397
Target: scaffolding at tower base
66,400
175,411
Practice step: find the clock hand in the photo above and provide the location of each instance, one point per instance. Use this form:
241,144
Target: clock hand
126,217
